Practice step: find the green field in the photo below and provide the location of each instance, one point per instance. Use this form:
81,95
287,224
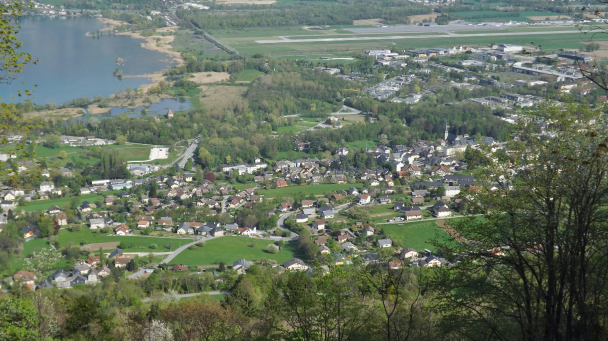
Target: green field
186,42
130,152
230,249
138,244
307,190
43,205
416,235
360,145
249,75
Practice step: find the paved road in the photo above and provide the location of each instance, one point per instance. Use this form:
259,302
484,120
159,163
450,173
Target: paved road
180,249
429,219
194,294
422,36
182,159
189,153
281,226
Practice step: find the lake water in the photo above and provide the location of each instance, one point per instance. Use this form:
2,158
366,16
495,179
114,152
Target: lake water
73,65
154,109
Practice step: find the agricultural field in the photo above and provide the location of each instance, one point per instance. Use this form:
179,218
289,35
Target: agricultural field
136,244
306,190
417,235
230,249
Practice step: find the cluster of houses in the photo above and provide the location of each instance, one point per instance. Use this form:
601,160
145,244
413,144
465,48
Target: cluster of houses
84,272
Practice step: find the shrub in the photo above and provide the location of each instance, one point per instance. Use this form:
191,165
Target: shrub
153,246
200,244
252,245
191,247
105,230
75,228
273,248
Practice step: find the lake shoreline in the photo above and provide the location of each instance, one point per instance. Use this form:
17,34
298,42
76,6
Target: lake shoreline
150,43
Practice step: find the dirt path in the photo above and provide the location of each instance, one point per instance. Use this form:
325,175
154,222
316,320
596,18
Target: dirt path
450,230
103,246
382,214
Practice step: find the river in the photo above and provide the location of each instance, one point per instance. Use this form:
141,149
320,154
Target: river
73,65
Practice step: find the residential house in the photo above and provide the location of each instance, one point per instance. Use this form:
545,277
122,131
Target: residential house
46,186
178,267
370,258
382,243
97,223
307,203
301,218
413,212
327,214
281,183
324,249
241,266
121,262
115,254
217,232
440,170
61,219
142,224
8,205
364,199
295,264
59,276
408,253
46,284
93,260
319,224
104,271
231,227
122,230
53,210
384,200
26,277
396,264
321,240
284,207
368,231
349,247
342,236
81,268
432,261
30,231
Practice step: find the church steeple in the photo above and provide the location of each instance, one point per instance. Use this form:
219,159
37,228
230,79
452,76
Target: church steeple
445,134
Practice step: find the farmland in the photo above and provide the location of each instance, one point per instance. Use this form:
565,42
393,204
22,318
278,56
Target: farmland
230,249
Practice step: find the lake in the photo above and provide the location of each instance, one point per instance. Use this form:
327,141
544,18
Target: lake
73,65
173,104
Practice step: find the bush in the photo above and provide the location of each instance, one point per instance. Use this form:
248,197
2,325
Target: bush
153,246
251,245
200,244
273,248
191,247
75,228
105,230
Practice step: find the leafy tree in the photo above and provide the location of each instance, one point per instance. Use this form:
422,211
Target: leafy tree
18,320
63,154
535,268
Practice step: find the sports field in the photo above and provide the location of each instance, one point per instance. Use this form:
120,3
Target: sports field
230,249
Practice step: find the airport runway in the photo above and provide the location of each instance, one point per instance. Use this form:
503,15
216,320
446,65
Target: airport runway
285,40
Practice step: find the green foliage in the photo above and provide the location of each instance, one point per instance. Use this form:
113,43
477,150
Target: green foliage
18,320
